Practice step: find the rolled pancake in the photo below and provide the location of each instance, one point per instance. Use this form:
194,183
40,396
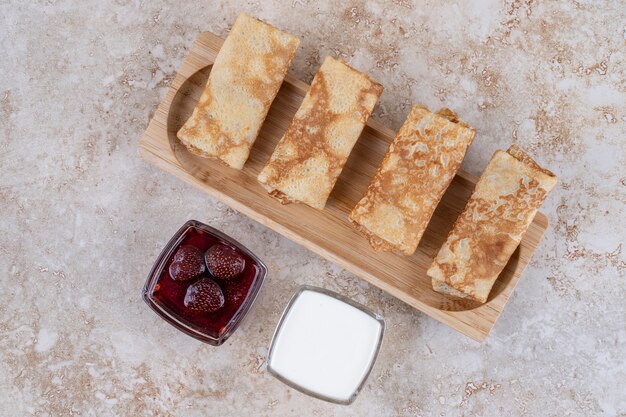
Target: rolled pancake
246,76
416,171
310,156
487,232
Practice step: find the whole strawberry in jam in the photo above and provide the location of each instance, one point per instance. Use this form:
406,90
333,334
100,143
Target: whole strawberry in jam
187,263
205,296
224,262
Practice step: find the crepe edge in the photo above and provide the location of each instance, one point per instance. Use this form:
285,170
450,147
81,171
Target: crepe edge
285,199
376,242
292,37
378,87
519,154
446,289
203,154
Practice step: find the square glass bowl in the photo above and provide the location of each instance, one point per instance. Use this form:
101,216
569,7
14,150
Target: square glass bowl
325,345
166,296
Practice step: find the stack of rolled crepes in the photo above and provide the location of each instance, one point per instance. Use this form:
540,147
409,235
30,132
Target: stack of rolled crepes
413,177
416,171
483,238
244,80
311,155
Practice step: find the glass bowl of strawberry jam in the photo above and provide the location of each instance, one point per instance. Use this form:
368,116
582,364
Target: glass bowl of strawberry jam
204,282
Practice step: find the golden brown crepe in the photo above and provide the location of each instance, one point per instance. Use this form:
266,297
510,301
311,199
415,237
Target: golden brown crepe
244,80
490,228
416,171
310,156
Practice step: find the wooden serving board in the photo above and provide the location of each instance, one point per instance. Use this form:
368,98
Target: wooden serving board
327,232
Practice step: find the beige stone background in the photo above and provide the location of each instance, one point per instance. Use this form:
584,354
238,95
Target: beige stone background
82,217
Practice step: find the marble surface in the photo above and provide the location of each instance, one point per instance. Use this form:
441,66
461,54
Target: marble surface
82,217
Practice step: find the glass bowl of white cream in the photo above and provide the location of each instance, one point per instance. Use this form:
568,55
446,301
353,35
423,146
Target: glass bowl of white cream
325,345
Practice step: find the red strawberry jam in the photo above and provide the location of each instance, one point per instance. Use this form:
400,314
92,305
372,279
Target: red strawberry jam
204,307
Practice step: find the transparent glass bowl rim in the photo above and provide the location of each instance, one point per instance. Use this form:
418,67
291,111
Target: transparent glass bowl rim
175,321
346,300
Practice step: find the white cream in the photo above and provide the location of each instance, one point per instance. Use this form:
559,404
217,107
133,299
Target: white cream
325,345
